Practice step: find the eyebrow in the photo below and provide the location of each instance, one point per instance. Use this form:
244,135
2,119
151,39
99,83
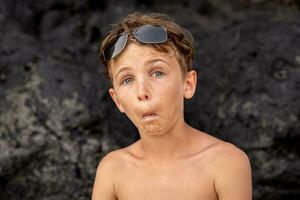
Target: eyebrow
156,60
121,70
147,63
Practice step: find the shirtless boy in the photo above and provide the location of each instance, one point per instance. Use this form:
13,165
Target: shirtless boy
148,60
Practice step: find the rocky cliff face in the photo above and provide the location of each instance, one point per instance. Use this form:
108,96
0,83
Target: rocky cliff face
57,120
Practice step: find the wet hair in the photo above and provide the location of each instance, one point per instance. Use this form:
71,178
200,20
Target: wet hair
179,39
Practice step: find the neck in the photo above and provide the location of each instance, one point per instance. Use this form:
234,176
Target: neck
169,145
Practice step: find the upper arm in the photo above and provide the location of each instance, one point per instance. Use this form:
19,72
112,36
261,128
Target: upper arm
233,175
104,188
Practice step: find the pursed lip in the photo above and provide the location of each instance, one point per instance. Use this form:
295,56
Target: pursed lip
148,115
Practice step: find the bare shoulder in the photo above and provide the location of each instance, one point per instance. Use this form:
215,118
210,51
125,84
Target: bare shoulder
219,150
230,168
106,176
113,161
111,158
226,156
227,152
232,172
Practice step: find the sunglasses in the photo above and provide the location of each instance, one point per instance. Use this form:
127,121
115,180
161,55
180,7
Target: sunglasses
148,34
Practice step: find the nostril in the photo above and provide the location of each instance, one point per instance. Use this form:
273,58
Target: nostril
143,97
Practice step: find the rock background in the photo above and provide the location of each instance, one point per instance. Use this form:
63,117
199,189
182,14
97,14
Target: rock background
57,120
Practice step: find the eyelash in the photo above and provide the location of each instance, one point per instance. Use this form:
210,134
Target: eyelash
162,73
123,82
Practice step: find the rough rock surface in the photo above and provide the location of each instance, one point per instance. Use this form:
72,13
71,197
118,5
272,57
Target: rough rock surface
249,94
57,120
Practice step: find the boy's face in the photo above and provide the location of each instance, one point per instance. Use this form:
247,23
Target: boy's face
149,87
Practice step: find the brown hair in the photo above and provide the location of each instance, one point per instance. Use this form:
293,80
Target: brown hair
180,39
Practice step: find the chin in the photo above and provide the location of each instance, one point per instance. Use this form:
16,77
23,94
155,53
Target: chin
153,133
153,129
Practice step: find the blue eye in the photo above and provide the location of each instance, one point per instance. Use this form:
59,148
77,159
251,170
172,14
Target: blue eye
158,74
126,81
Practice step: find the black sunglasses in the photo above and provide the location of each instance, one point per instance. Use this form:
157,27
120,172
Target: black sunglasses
149,34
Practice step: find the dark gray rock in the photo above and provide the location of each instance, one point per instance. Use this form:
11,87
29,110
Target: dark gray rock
249,94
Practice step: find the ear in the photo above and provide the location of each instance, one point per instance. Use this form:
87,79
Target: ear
190,84
115,99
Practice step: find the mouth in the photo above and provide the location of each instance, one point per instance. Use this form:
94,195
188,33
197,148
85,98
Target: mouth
149,116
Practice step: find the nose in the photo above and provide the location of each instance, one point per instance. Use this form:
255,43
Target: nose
143,93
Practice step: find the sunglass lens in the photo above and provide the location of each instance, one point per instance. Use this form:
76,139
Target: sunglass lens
151,34
119,45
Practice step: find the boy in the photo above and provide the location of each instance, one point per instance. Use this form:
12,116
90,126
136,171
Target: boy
148,60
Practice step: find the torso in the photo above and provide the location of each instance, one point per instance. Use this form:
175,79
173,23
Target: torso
189,178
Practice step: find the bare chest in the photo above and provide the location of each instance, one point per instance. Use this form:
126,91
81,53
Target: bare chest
176,182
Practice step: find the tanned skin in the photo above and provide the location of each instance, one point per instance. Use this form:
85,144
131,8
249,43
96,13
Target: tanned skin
171,160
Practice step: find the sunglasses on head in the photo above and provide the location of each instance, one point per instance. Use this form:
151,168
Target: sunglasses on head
149,34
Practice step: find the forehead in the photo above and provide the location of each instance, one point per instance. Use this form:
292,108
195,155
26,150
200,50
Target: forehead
138,54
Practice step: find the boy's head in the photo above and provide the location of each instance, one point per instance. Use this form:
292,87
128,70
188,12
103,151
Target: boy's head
148,59
151,28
